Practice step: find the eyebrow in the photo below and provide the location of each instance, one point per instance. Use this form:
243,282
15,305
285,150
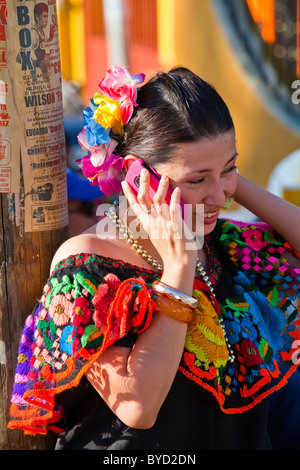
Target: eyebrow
209,171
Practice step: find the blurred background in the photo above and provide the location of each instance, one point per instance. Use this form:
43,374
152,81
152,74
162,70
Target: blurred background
248,49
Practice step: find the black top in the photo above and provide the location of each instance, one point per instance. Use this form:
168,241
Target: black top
190,419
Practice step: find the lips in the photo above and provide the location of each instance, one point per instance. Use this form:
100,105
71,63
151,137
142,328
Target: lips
210,214
206,218
211,217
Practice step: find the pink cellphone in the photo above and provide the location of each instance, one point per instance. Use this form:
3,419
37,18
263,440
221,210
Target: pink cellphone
133,178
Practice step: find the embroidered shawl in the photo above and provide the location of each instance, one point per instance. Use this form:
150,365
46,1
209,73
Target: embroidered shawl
90,302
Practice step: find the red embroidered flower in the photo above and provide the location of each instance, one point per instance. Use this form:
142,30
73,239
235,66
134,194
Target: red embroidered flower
82,312
113,281
104,297
250,354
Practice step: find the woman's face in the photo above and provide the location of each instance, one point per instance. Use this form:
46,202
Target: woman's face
205,171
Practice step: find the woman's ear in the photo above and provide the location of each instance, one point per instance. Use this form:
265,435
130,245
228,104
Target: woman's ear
128,161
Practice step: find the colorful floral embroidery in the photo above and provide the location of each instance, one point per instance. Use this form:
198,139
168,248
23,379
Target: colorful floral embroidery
253,239
83,311
205,338
249,354
60,310
65,334
258,319
66,340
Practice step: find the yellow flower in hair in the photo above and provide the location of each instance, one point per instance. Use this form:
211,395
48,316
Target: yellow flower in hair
108,114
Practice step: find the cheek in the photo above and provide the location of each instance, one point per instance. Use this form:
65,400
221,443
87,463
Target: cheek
192,195
228,183
233,183
197,194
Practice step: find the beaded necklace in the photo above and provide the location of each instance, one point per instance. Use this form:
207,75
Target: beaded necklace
111,214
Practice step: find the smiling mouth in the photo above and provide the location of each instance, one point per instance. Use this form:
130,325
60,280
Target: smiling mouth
208,215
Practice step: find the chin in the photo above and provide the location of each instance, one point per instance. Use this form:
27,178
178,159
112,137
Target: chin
202,227
209,229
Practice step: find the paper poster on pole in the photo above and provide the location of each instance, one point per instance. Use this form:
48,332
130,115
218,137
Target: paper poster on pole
34,56
9,145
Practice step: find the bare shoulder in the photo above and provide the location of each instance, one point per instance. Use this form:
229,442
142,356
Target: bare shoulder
108,245
75,245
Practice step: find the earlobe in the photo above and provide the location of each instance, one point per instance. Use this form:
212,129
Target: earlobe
128,161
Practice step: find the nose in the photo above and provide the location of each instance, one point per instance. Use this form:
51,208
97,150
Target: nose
216,194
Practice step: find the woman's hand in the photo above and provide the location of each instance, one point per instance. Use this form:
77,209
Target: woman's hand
135,382
166,229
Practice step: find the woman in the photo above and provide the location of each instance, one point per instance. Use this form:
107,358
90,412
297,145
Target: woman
115,360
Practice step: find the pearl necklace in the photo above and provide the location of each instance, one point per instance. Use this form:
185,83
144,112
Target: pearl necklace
111,214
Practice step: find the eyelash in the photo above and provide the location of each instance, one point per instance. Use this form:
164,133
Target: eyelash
234,167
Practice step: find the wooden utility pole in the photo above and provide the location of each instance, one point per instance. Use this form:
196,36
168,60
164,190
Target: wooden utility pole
33,191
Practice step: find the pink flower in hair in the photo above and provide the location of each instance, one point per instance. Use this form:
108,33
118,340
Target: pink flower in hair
119,85
112,108
106,175
98,153
101,166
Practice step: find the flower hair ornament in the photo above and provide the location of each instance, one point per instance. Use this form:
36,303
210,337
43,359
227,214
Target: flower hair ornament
112,108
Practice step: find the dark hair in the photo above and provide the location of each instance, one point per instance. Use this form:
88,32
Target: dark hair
173,108
39,9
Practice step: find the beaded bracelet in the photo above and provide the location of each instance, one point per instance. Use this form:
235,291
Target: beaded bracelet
167,291
172,308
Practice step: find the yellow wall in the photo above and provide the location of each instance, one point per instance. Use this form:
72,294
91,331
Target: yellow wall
193,38
72,41
189,34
